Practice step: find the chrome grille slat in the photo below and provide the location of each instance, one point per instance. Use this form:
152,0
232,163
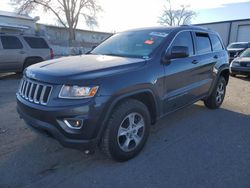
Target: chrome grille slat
34,91
26,90
35,94
30,92
42,94
21,85
24,86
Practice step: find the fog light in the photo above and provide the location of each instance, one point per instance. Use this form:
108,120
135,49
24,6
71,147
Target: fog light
74,123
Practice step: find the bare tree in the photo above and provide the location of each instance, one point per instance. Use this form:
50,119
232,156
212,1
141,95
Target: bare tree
67,12
176,17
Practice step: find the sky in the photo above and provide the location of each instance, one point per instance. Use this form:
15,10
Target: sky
118,15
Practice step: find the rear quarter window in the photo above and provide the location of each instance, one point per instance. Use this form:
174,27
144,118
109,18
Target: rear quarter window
203,43
216,43
35,42
11,42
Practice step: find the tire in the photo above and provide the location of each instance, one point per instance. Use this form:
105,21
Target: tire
232,74
122,139
217,96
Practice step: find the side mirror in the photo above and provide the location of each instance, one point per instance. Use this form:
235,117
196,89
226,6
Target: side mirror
179,52
176,52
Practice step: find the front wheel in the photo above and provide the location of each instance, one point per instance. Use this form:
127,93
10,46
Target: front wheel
127,131
217,96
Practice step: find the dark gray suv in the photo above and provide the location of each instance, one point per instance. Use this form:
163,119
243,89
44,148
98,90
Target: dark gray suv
20,51
111,96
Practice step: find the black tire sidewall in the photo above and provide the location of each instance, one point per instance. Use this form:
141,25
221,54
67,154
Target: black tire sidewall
211,101
115,150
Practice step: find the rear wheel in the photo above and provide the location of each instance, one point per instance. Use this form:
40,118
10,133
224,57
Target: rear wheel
232,74
127,131
217,96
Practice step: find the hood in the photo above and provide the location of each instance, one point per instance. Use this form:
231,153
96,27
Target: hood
235,49
71,68
242,59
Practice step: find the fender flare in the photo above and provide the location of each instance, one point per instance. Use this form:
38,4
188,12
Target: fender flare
219,71
116,100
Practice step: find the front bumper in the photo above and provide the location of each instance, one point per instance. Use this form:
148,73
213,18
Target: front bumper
240,70
50,119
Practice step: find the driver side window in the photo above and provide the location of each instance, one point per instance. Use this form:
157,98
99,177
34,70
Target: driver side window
184,39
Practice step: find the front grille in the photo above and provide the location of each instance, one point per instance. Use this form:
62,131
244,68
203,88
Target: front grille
34,91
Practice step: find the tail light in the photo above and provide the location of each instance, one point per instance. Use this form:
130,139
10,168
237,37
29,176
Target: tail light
51,53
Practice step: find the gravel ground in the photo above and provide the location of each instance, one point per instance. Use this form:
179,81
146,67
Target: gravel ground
193,147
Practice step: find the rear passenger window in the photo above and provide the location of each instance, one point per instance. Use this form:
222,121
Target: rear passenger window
184,39
11,42
216,43
35,42
203,43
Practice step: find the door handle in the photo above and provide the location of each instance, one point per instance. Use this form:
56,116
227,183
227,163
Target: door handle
215,57
195,62
22,52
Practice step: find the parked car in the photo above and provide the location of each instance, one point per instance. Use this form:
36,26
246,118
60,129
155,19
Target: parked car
241,64
20,51
234,49
110,97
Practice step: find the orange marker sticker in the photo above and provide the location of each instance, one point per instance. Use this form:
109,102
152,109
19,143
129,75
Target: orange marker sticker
149,42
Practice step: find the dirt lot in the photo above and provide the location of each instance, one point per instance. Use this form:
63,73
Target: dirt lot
194,147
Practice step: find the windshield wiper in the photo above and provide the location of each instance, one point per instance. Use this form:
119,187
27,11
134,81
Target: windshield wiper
123,55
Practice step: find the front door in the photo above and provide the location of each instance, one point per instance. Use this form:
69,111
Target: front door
181,76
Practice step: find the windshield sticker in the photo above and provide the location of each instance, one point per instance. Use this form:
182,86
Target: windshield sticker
158,34
149,42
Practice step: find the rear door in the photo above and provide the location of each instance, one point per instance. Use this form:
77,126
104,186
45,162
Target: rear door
11,53
182,75
208,57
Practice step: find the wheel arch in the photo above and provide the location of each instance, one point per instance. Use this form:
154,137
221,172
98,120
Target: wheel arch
27,59
146,96
31,60
225,73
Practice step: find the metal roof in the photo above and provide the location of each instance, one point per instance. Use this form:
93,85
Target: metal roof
15,15
220,22
13,27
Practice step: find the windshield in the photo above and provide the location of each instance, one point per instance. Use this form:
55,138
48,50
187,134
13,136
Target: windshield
246,53
238,45
138,44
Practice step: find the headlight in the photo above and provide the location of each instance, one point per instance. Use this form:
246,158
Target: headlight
77,92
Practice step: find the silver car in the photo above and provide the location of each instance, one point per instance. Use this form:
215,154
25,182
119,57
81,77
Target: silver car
20,51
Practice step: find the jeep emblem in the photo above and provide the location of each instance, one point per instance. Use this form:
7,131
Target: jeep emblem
30,74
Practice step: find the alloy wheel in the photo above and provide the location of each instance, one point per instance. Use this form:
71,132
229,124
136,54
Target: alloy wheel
220,93
131,132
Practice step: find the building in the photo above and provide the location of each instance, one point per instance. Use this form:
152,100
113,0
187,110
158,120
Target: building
57,36
12,22
232,30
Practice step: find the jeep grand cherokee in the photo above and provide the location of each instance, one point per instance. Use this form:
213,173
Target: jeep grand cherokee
110,97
